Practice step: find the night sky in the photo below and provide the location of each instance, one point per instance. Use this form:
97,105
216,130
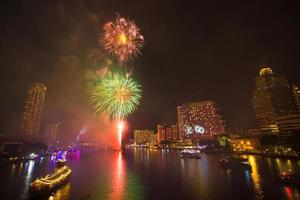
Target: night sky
194,51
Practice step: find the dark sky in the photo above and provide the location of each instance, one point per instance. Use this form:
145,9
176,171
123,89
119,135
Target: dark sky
194,50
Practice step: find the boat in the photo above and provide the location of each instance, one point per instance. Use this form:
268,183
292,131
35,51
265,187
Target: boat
49,183
235,164
290,178
60,163
190,153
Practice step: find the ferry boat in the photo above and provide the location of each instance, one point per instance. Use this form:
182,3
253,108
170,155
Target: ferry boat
190,153
235,163
49,183
290,178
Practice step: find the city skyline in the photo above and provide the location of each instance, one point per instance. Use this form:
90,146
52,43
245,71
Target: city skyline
142,100
62,57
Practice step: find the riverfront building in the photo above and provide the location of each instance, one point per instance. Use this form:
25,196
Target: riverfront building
199,119
273,102
167,132
143,137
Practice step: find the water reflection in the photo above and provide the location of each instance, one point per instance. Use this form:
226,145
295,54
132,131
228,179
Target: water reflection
256,178
155,174
29,166
12,171
118,178
61,194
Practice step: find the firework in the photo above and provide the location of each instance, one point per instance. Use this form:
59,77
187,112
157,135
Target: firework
122,38
120,131
116,94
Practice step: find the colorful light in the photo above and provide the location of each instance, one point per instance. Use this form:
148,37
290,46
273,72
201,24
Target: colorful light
122,38
120,131
116,94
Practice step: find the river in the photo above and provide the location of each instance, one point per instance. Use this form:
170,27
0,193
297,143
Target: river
153,174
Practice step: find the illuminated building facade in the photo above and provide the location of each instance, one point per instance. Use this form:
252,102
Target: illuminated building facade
272,97
153,141
33,109
245,143
167,132
199,119
288,123
143,137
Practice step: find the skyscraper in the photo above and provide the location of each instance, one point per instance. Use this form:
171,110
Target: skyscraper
272,97
33,109
199,119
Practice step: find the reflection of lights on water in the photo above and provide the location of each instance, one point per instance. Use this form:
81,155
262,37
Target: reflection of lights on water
21,167
62,193
119,165
12,172
278,164
248,178
29,166
182,163
288,192
118,179
289,164
228,175
256,178
291,193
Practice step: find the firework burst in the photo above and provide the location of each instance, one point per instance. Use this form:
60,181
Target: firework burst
116,94
122,38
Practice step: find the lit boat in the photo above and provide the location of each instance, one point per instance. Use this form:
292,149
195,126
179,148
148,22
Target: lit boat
235,163
51,182
60,163
290,178
190,153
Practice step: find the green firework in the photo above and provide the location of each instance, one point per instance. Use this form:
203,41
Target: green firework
115,94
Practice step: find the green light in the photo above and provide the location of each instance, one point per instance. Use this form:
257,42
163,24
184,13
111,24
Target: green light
115,94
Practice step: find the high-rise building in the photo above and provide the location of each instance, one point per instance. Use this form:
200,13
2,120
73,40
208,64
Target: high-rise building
143,136
272,97
33,109
167,132
199,119
296,94
288,123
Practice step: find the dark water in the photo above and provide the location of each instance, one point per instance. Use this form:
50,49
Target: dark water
153,174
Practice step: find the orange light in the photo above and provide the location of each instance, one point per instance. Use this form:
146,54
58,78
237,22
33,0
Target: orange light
120,130
123,38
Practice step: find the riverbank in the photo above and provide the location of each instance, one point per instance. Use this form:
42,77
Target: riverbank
257,153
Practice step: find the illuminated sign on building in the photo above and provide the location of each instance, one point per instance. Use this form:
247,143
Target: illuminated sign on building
196,129
199,129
